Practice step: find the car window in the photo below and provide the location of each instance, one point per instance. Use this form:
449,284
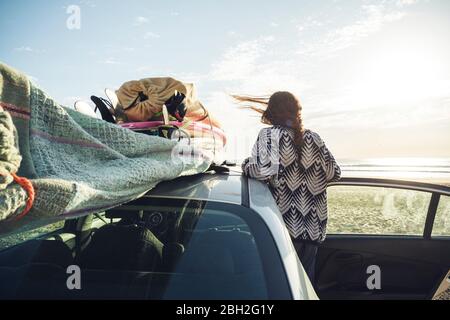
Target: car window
205,252
376,210
442,220
169,249
27,234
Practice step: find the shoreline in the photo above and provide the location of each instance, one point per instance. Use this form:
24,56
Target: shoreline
414,176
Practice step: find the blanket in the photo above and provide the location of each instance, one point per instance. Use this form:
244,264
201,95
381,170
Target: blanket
76,164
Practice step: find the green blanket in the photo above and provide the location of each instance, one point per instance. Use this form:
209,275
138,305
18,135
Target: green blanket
77,164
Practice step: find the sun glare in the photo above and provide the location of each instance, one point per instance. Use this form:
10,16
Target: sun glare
399,74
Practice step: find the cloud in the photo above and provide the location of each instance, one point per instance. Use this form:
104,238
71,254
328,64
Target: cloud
151,35
324,65
88,3
375,17
23,49
145,70
138,21
239,62
266,64
404,3
249,67
425,112
110,61
310,23
27,49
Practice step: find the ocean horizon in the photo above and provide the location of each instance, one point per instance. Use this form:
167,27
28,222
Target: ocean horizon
420,169
433,170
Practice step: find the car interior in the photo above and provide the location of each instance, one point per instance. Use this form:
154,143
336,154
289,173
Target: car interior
139,253
411,250
411,268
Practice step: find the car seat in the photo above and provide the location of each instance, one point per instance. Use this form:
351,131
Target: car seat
122,247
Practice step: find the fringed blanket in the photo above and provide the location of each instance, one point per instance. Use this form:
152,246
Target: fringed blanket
76,164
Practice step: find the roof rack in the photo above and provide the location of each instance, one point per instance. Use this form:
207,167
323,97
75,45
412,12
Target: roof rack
222,168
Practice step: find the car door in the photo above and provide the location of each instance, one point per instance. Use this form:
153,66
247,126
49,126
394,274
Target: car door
386,240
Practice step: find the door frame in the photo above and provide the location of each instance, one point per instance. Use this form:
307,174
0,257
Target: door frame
436,192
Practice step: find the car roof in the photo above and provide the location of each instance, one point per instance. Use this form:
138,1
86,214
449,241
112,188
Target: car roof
226,187
229,187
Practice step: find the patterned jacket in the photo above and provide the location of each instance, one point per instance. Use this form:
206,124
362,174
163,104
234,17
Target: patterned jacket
299,188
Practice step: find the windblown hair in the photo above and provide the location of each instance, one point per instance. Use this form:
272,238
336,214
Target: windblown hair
280,109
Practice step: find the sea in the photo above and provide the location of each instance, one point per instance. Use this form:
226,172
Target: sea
431,170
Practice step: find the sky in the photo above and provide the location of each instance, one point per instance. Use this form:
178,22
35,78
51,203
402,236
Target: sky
373,77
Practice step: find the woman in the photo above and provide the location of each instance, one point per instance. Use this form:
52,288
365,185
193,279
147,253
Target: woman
298,166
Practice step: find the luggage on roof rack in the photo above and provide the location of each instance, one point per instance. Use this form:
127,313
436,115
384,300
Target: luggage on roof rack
155,106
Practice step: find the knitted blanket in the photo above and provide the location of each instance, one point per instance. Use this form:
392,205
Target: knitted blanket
77,164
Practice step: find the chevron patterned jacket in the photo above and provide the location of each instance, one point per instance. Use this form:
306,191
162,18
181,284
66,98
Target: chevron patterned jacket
299,187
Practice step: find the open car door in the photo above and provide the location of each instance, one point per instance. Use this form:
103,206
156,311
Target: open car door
386,240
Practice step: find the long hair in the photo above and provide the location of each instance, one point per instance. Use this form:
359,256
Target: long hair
280,109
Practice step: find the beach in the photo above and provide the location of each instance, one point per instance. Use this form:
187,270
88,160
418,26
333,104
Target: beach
388,211
382,211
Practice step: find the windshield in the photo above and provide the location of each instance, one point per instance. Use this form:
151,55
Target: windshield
171,249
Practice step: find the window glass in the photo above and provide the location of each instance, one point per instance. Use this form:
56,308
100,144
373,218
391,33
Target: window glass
28,234
442,220
171,249
376,210
205,253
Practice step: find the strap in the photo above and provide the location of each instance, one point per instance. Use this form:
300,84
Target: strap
102,105
142,96
28,187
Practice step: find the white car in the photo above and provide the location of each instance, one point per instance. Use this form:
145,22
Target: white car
220,236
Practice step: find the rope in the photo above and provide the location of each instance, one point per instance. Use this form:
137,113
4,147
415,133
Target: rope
10,159
28,187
